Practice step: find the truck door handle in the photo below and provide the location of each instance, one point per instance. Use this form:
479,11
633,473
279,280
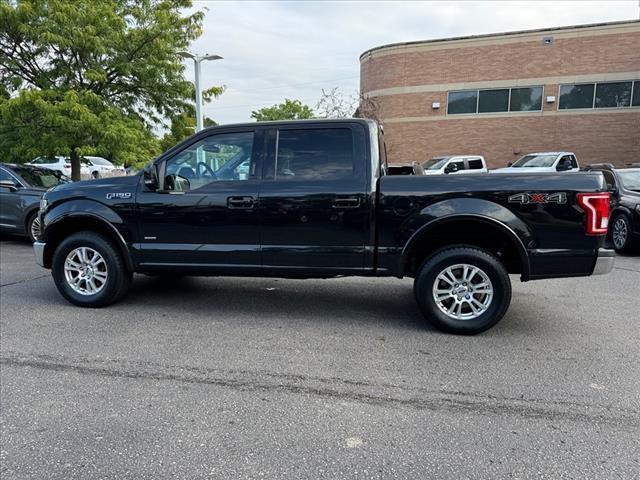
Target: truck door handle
346,202
240,202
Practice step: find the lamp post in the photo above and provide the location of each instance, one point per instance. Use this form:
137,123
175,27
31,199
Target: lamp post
196,61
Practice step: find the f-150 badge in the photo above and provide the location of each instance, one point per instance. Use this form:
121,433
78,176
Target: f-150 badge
119,195
529,198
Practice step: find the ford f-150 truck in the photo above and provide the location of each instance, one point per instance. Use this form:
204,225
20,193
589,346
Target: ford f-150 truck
313,199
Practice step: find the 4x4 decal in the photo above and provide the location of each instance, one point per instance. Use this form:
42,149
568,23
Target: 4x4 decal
528,198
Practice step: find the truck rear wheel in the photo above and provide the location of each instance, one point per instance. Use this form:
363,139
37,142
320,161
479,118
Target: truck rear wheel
89,271
463,290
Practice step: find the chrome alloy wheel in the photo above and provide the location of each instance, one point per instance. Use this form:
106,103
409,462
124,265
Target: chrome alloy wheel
620,233
35,227
85,271
463,292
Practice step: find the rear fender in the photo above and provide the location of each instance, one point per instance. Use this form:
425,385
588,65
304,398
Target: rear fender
455,209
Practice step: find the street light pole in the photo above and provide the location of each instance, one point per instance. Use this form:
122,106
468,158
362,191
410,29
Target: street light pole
197,59
199,119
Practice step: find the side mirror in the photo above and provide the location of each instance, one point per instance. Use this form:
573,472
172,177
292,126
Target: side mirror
451,168
509,164
563,166
150,175
10,184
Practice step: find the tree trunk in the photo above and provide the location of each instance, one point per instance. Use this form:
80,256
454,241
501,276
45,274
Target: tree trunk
75,165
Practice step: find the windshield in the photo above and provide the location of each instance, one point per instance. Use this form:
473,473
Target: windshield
630,179
40,178
435,163
536,161
42,160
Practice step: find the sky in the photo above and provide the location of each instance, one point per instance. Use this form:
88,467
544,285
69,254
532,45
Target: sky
274,50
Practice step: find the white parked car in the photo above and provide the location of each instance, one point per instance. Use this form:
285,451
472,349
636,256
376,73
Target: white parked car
59,164
90,167
101,167
455,164
543,162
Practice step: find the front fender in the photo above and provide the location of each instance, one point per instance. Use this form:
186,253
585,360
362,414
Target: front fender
492,213
80,208
91,213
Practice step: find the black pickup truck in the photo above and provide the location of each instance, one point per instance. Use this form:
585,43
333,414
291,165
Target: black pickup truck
313,199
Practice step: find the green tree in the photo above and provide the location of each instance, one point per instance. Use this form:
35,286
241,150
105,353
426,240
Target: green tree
289,110
85,76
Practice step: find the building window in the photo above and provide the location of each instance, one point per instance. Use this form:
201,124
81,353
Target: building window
576,96
526,99
614,94
599,95
636,94
463,102
517,99
493,101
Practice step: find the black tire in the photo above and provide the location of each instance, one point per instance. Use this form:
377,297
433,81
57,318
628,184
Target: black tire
29,226
625,224
489,265
95,175
118,276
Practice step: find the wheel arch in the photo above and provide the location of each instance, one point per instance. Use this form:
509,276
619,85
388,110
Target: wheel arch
502,241
62,226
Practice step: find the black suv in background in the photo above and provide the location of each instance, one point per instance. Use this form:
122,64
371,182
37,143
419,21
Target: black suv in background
624,186
21,188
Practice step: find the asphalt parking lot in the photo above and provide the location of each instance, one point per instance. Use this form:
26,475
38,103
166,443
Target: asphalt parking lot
269,378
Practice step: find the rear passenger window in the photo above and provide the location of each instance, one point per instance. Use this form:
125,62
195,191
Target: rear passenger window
475,164
315,154
608,177
574,162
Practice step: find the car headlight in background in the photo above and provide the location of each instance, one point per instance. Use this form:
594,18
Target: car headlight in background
44,204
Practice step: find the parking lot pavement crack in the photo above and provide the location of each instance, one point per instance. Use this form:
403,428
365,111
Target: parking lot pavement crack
27,280
385,395
627,269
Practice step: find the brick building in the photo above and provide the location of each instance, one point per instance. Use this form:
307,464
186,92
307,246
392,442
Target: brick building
503,95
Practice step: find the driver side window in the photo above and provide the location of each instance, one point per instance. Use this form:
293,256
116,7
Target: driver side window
217,158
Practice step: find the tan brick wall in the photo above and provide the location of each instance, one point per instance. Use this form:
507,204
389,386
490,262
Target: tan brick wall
566,56
416,131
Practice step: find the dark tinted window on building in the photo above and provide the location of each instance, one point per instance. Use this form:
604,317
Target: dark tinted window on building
576,96
315,154
636,94
526,99
493,101
463,101
614,94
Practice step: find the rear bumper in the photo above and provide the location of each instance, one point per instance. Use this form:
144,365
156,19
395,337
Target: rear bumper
38,249
604,262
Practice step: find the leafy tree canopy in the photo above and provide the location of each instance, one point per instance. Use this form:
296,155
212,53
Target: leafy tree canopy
289,110
80,76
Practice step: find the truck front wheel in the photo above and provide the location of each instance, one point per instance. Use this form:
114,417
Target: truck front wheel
89,271
463,290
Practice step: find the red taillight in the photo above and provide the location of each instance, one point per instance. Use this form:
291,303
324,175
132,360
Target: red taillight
596,206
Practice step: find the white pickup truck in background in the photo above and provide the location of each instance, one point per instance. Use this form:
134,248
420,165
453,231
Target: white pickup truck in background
455,164
543,162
